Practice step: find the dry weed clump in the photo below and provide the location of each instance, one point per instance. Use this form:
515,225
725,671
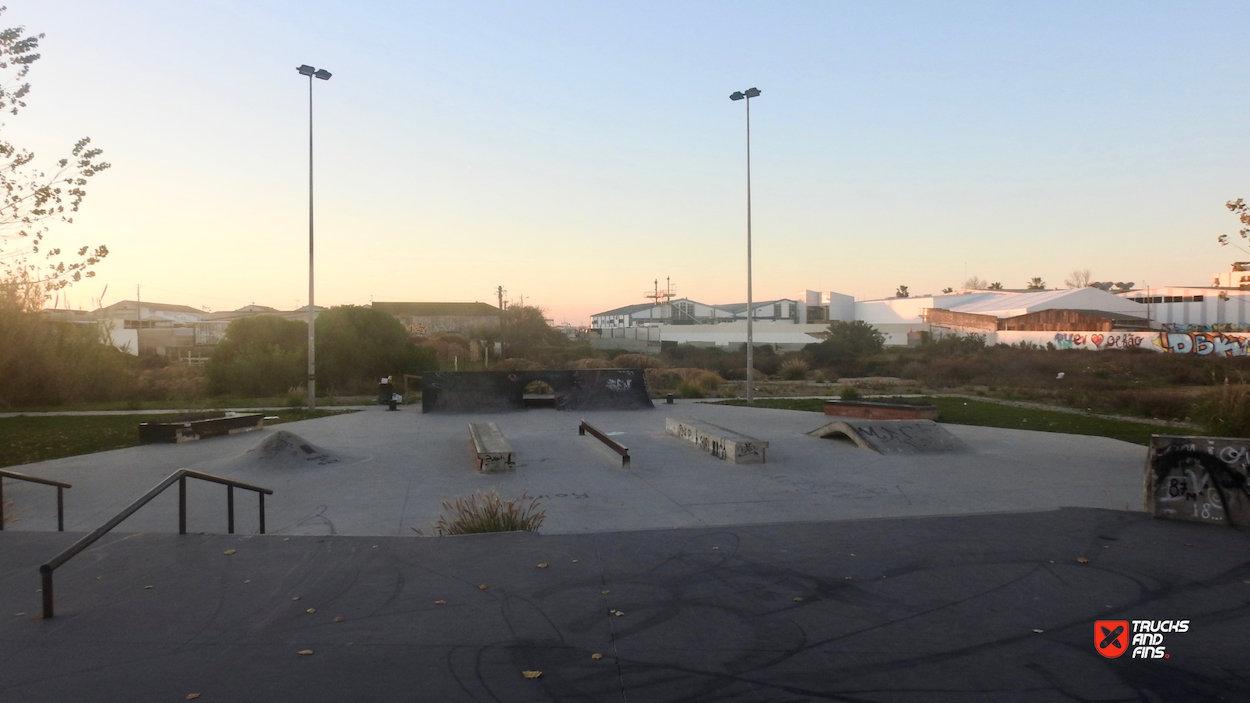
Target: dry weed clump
488,512
1225,411
794,370
637,361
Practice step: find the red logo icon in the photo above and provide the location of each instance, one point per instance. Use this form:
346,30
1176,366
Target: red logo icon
1111,637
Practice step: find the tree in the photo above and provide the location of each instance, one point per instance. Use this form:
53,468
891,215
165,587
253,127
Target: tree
994,286
1078,279
31,199
846,341
1036,283
902,292
1239,208
948,290
975,283
260,356
356,346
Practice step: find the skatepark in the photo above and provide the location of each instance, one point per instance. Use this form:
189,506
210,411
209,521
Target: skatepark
823,571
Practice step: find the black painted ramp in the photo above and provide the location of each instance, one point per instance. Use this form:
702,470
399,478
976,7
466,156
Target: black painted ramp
982,608
894,436
495,391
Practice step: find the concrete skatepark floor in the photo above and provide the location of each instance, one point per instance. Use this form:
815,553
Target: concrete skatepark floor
775,586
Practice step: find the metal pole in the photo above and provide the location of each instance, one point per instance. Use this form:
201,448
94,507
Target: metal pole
750,310
45,576
262,512
230,509
182,505
312,340
60,509
1,503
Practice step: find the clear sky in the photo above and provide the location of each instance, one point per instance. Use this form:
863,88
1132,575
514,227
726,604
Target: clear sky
572,152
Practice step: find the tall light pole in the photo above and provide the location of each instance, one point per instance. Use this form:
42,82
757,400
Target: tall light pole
306,70
747,95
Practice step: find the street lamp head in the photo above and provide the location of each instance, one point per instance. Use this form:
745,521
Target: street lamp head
753,93
737,96
325,75
306,70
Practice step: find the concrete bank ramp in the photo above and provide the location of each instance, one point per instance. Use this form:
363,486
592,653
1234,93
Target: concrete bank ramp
285,450
894,436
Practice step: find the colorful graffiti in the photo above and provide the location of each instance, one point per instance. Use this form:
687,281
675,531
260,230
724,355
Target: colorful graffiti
1226,327
1198,343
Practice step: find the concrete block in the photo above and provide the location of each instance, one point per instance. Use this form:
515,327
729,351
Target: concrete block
722,443
494,454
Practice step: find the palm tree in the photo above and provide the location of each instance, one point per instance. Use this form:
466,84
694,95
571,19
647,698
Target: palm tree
1036,283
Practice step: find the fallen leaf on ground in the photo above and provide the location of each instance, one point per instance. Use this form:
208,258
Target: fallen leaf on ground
18,615
605,592
248,581
146,587
531,674
798,600
192,696
596,655
310,611
574,561
228,552
295,598
440,602
339,618
304,652
617,613
715,547
1082,560
543,565
482,587
848,578
1038,631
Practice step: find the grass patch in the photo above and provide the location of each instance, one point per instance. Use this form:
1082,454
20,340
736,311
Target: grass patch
961,411
26,439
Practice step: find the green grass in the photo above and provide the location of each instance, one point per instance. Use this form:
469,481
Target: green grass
26,439
961,411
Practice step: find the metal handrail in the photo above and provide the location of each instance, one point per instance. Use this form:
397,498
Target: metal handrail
60,495
180,476
612,443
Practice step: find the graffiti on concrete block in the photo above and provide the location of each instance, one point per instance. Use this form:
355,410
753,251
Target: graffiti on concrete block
1199,479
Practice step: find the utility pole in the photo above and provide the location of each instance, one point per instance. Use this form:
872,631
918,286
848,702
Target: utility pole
503,320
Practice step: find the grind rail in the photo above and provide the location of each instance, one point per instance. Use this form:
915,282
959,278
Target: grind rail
180,477
60,494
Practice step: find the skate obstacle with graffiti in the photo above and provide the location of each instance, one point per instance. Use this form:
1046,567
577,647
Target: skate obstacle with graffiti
1199,479
894,436
498,391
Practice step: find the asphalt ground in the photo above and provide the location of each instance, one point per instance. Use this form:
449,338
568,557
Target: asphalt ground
992,607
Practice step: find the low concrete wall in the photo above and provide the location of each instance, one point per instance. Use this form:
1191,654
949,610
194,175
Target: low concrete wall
720,442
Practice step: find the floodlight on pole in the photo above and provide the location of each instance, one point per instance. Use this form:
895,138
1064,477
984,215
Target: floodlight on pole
306,70
747,95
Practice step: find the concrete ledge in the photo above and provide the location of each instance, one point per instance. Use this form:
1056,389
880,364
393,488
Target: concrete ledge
494,454
722,443
880,411
187,429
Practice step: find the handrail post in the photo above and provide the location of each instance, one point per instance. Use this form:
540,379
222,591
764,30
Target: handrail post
60,509
230,509
262,512
45,574
1,502
182,505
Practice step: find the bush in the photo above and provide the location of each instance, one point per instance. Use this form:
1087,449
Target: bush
488,512
43,362
1225,411
637,361
357,345
517,365
592,364
848,393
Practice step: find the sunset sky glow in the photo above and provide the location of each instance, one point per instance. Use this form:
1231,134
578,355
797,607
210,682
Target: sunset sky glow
572,152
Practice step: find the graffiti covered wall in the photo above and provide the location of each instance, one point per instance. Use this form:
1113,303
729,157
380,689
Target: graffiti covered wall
1199,343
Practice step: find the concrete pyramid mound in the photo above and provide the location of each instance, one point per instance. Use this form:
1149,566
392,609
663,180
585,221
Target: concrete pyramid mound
284,448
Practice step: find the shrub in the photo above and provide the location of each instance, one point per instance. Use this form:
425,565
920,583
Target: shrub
260,356
637,361
1225,411
517,365
488,512
592,364
795,370
686,389
848,393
